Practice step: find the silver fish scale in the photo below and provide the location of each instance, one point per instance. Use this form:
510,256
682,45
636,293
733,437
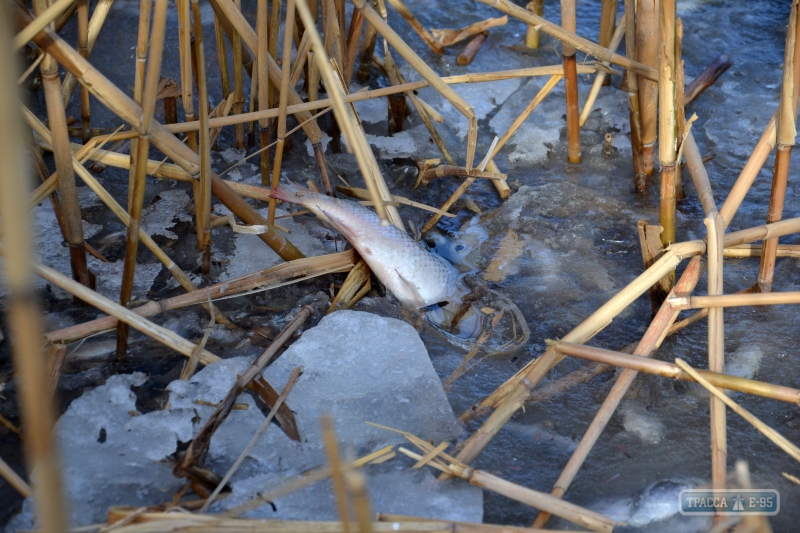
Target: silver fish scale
414,275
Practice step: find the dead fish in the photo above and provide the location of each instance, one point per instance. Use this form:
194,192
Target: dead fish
414,275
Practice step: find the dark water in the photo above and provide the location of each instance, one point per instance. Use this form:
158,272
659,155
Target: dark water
578,226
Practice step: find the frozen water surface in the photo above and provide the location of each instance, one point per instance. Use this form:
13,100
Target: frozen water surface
578,227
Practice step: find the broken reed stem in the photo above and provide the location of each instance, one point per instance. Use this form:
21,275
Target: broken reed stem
716,347
767,431
650,342
272,412
648,51
786,132
151,80
296,270
335,465
667,123
424,34
117,209
568,22
282,103
63,160
263,26
471,50
639,171
601,76
533,36
707,78
353,133
202,196
427,73
739,300
697,170
23,314
584,45
637,363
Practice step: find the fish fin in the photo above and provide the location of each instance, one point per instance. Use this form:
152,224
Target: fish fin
289,192
409,290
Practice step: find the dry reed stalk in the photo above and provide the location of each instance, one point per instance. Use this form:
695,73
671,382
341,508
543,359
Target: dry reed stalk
669,370
363,194
651,340
716,346
705,79
43,19
540,96
500,185
601,76
222,58
351,46
282,103
55,363
632,82
238,79
786,132
233,16
767,431
694,162
136,202
667,121
335,465
471,50
83,49
95,25
14,479
125,108
568,22
532,34
23,314
353,133
441,171
652,248
297,270
185,53
358,277
66,178
426,37
263,27
608,14
300,59
649,52
65,17
396,77
117,209
331,32
366,51
426,72
539,500
460,527
736,300
584,45
448,37
309,478
754,250
202,190
272,412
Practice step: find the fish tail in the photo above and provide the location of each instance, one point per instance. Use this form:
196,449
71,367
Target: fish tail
289,192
